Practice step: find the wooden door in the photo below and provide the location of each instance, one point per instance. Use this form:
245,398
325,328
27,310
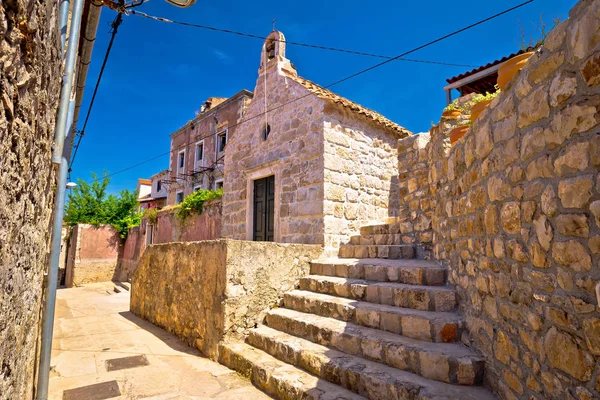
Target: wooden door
264,209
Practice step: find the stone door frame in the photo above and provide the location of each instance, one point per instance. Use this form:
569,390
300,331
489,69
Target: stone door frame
263,172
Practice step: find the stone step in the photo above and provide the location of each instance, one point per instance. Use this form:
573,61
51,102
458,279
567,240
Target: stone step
426,298
445,362
277,378
380,239
390,228
373,380
423,325
412,272
393,252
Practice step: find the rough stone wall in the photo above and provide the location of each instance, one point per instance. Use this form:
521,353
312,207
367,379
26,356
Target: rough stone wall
210,291
414,205
517,218
29,89
293,152
360,162
93,255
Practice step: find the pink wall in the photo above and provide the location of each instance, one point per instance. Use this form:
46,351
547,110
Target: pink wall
100,242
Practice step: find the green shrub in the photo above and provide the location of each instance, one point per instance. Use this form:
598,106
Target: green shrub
483,97
152,215
193,203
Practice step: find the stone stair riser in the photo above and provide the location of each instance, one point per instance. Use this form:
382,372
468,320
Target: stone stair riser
413,326
408,275
393,252
395,354
426,299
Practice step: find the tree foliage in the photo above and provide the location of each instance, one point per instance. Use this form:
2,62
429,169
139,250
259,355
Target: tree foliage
89,203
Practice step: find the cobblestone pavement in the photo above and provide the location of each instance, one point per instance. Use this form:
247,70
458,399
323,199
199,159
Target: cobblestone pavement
97,341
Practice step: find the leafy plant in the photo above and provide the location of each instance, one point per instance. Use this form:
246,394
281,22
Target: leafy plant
193,203
152,215
464,122
91,204
483,97
455,106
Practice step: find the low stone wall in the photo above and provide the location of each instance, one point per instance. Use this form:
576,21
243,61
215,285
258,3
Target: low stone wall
206,292
206,226
516,217
92,255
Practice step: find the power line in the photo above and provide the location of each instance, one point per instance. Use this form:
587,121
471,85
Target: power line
114,28
351,76
314,46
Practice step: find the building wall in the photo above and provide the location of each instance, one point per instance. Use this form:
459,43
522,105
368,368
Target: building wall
158,195
30,78
293,152
516,216
93,255
210,291
205,125
360,171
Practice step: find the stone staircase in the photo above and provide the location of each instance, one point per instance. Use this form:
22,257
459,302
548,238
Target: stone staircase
374,324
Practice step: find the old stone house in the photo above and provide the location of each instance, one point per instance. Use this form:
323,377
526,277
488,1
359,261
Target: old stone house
306,165
197,148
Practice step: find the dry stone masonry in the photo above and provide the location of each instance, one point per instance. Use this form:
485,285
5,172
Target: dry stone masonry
30,78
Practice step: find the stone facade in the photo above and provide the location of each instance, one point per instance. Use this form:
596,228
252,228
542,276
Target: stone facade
212,291
203,132
30,78
515,211
333,160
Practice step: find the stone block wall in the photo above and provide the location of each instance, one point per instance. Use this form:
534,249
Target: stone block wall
30,76
360,166
93,255
210,291
516,216
292,152
413,204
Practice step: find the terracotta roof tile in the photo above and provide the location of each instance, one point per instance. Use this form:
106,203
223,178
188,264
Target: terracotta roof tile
326,94
488,65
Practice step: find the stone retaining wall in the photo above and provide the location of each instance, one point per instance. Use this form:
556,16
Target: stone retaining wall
210,291
516,216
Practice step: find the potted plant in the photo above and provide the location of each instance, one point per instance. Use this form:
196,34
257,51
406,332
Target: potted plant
453,111
480,103
459,131
509,69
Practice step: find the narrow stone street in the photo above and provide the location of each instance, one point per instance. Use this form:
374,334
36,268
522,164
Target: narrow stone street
97,341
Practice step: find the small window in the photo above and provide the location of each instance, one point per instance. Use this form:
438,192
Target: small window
197,187
200,152
158,186
221,141
219,184
178,197
180,161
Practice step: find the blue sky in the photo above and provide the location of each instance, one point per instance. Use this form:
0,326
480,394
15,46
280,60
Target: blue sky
158,74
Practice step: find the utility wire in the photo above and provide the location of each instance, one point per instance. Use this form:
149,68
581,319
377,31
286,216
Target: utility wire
314,46
114,28
351,76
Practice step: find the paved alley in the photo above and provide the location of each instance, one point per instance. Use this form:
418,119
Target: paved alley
102,351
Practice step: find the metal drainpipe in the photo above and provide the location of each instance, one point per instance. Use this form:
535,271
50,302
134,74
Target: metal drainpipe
64,18
65,114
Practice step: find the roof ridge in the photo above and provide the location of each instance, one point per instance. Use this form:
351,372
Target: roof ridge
327,94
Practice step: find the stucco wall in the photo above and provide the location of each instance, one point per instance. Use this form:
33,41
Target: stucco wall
293,153
206,226
516,216
93,255
360,167
30,78
206,292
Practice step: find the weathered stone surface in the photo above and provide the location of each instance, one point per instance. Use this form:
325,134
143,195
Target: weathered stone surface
573,225
590,70
510,215
505,349
545,68
30,79
539,168
575,192
505,129
549,202
591,329
533,142
582,35
572,254
594,244
543,231
533,108
563,87
575,158
538,256
483,141
564,354
556,37
573,119
595,209
498,189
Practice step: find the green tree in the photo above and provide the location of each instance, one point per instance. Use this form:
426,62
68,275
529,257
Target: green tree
90,204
